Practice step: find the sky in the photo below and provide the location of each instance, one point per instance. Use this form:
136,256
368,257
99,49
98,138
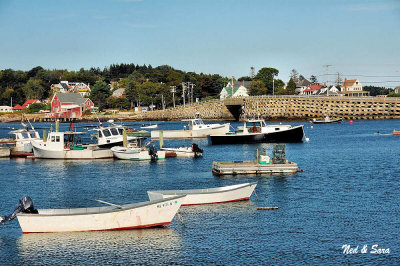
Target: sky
358,39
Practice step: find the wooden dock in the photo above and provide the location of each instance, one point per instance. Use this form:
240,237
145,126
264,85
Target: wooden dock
251,167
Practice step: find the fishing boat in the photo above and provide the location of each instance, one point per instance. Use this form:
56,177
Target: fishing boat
207,195
137,152
257,131
143,126
395,132
112,135
326,120
66,145
196,129
192,152
22,140
113,217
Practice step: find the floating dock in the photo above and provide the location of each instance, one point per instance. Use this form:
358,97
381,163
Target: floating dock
252,167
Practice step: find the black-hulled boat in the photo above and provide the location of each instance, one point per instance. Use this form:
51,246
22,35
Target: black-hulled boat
327,120
257,131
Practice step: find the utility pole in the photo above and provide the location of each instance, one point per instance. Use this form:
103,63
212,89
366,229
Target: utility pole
173,90
327,79
273,86
162,101
183,93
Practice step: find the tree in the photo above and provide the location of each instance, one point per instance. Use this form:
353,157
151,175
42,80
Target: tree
100,91
266,75
257,88
291,87
34,89
245,78
35,107
339,80
313,79
132,92
294,75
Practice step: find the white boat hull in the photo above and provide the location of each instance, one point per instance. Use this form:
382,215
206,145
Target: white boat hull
182,152
68,154
4,152
131,216
143,155
208,196
187,134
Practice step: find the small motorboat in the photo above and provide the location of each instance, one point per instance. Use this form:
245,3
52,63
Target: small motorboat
136,152
257,131
143,126
395,132
208,195
194,151
326,120
114,217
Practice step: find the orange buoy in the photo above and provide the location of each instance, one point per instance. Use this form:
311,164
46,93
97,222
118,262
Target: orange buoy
351,121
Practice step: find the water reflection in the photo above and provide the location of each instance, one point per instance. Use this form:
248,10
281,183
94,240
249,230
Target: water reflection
111,246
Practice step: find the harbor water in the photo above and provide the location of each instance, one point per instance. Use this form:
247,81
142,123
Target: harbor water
348,195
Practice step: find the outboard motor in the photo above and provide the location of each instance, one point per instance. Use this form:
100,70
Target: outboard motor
25,206
197,151
153,153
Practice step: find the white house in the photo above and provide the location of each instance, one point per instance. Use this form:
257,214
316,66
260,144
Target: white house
353,87
6,109
302,85
235,89
333,91
65,87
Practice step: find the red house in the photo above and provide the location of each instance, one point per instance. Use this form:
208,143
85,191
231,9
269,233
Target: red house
18,108
25,105
69,105
29,102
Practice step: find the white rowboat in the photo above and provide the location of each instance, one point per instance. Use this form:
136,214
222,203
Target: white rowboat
116,217
207,195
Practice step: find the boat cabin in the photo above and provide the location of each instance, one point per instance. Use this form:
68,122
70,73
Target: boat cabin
23,134
63,140
197,123
254,126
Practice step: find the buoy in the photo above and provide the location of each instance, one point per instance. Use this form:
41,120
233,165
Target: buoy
266,208
307,139
301,170
351,121
312,126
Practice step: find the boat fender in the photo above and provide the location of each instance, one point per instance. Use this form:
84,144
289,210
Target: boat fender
25,206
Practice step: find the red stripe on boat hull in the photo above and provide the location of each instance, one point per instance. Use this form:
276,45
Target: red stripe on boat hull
112,229
217,202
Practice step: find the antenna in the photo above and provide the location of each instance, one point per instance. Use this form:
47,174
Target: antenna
327,79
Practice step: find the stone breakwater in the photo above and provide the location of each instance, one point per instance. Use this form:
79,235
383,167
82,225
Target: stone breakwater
286,108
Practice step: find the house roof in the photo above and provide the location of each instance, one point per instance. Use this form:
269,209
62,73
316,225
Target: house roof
349,82
30,101
314,87
236,85
64,85
302,83
19,107
71,98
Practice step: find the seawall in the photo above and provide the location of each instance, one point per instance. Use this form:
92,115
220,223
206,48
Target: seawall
286,108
